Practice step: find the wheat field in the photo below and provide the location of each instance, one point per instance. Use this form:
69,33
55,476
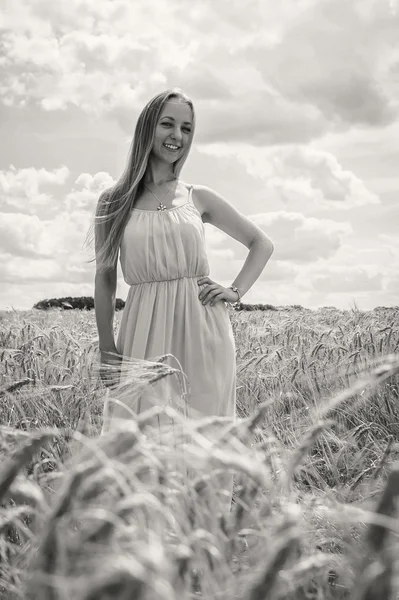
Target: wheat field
139,512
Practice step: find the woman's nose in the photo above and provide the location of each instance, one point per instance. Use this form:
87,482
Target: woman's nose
176,134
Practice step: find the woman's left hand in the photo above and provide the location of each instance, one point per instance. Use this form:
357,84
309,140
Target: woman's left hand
213,292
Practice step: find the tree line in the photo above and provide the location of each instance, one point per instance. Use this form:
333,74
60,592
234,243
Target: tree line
87,303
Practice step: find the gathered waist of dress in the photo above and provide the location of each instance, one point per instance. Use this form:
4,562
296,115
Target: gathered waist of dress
167,280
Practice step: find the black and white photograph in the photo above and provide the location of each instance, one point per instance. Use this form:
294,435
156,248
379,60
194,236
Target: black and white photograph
199,299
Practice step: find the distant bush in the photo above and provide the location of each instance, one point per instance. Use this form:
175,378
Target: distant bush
68,303
250,307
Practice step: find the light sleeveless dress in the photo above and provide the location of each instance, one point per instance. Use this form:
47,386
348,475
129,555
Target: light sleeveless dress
162,255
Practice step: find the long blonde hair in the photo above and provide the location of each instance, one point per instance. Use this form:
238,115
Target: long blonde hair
115,204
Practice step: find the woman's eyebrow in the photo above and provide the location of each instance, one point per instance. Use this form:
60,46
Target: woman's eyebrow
185,122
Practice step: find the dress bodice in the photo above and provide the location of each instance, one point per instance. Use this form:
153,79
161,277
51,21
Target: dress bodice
164,245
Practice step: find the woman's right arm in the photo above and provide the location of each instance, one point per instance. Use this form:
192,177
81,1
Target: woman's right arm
104,306
105,283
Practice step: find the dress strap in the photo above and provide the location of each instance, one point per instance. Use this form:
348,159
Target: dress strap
190,195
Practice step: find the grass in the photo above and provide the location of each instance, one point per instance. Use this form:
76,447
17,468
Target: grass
140,513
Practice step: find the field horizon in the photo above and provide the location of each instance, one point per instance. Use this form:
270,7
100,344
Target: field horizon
284,307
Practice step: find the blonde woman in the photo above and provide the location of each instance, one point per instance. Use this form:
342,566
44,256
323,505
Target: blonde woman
154,221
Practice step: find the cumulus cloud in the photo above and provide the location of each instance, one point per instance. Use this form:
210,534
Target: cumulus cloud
84,54
263,119
392,285
391,241
88,188
226,258
20,234
282,64
61,238
41,236
300,174
29,270
20,189
37,224
334,56
279,271
351,279
301,239
297,240
318,175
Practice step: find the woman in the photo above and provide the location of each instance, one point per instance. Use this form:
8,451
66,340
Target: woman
156,222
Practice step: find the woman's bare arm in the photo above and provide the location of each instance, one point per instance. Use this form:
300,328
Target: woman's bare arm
104,290
221,214
104,305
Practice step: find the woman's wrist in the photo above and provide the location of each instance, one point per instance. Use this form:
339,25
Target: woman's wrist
107,349
237,291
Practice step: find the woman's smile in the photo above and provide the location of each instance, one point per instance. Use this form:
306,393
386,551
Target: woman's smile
172,147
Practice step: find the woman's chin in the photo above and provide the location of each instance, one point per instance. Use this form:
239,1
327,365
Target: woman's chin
172,157
166,158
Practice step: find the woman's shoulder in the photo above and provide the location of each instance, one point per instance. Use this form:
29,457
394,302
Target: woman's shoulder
205,197
201,191
200,195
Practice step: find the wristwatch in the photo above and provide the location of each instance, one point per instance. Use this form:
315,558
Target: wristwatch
237,303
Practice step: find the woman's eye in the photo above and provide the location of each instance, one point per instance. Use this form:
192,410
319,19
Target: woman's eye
185,129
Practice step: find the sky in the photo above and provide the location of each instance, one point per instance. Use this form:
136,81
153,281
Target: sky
297,109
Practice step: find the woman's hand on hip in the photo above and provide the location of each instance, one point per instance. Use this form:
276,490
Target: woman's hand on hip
213,292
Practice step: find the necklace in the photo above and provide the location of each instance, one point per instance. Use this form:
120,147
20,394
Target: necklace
161,206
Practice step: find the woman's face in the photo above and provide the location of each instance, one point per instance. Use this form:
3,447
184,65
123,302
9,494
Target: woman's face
173,131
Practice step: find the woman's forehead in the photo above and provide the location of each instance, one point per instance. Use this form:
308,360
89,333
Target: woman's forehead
177,110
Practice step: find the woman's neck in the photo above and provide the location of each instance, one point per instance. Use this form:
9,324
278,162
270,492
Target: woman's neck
157,174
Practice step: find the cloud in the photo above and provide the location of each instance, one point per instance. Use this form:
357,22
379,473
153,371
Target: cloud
301,239
88,188
263,119
282,64
303,171
390,241
392,285
300,175
334,56
37,224
41,236
84,53
349,279
329,67
19,188
20,234
297,240
62,268
279,271
29,270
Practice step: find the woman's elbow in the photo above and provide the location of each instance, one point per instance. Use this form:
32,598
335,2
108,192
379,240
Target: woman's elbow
267,244
105,278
